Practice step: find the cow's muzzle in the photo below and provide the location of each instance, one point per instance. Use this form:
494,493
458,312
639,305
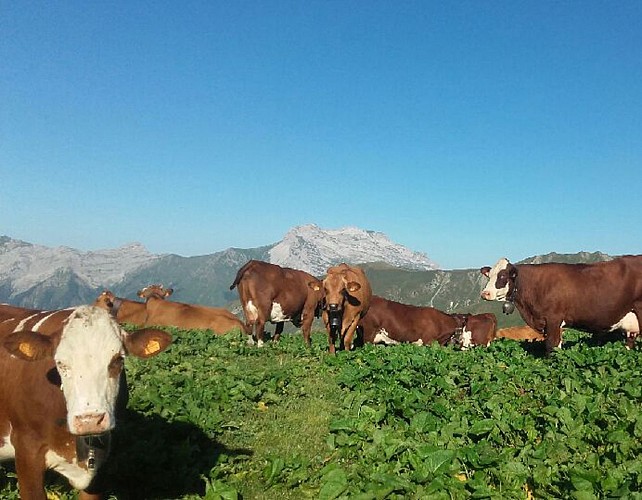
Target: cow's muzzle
91,423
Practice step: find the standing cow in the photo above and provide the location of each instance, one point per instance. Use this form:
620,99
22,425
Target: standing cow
269,292
347,296
60,379
599,297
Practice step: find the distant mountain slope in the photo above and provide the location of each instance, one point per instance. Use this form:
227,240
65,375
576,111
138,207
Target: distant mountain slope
43,277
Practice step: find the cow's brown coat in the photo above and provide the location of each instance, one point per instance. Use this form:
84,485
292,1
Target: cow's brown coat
261,285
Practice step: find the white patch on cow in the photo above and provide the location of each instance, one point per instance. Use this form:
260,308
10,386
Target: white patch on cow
7,451
276,314
419,342
629,323
42,320
91,339
382,337
251,312
77,476
466,339
22,323
490,292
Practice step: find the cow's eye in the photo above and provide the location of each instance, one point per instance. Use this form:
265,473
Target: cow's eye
116,365
502,279
63,369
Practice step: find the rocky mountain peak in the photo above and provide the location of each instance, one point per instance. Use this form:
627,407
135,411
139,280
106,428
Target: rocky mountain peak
314,249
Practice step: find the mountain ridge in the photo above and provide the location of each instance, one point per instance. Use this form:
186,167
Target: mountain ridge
48,277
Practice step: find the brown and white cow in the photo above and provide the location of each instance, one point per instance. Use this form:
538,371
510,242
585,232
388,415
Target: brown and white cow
390,322
60,376
479,329
347,295
161,312
597,298
124,310
269,292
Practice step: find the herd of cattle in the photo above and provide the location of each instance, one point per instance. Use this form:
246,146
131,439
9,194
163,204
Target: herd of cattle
61,372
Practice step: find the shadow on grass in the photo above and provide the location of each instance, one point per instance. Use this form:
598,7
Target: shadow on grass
155,459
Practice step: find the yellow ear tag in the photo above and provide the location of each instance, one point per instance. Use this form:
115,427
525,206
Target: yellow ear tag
152,347
26,349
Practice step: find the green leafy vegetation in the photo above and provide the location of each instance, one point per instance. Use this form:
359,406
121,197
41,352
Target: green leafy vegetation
214,418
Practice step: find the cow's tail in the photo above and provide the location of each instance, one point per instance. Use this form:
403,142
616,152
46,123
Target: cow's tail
241,272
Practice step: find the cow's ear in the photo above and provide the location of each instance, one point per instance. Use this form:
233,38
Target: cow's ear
30,346
147,342
314,285
168,291
485,271
353,286
512,271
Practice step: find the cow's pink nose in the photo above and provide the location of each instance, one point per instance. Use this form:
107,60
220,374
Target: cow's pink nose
91,423
485,295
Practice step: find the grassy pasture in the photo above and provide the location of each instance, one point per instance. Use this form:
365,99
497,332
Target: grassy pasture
214,418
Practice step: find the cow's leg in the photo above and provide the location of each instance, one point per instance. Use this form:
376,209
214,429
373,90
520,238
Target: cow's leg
251,316
348,338
306,326
30,469
553,335
632,332
278,330
259,330
84,495
331,337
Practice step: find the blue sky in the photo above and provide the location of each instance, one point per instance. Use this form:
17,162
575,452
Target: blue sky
467,130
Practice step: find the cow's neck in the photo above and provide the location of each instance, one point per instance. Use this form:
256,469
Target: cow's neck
118,302
93,449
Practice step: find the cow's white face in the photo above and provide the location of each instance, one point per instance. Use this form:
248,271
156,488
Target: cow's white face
498,283
89,359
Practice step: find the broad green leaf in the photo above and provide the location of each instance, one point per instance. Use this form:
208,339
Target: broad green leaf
333,484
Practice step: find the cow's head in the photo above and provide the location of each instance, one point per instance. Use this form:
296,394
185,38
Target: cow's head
317,289
155,291
501,280
89,356
105,300
337,290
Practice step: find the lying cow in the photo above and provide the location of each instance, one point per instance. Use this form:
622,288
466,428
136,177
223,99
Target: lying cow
277,294
478,329
60,377
187,316
124,310
347,296
599,297
520,333
390,322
